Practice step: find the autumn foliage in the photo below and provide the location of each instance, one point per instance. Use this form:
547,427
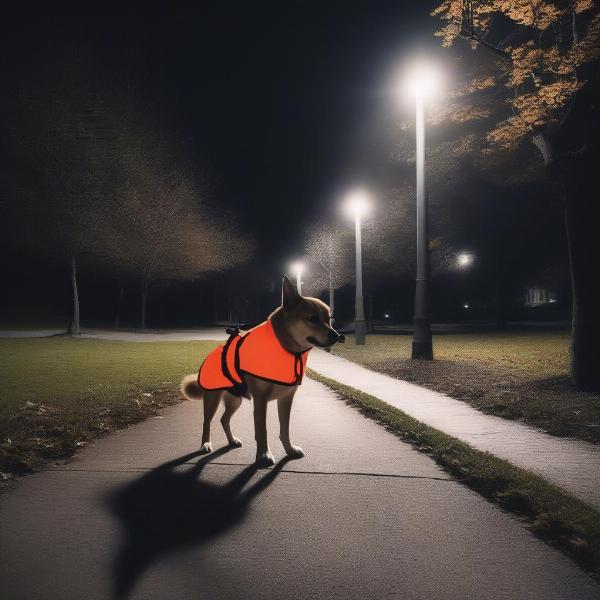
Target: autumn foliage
538,50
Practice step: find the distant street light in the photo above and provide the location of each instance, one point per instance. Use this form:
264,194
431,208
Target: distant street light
421,84
297,268
465,306
464,260
357,205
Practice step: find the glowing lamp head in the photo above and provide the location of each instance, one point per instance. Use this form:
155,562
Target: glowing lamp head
297,268
358,203
422,81
464,260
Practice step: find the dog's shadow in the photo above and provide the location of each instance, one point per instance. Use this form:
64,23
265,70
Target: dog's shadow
168,508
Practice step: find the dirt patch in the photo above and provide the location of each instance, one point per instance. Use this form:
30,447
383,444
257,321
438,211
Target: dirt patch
37,435
552,404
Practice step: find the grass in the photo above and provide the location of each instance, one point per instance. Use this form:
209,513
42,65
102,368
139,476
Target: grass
515,375
553,515
57,394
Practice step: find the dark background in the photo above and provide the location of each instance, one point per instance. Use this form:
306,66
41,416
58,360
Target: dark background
278,104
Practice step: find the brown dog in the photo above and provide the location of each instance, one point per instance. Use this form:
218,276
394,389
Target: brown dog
300,323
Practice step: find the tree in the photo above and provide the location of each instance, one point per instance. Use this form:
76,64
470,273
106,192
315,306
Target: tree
56,174
536,86
330,249
89,184
169,234
390,234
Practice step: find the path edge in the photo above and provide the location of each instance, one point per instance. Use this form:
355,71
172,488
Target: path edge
550,513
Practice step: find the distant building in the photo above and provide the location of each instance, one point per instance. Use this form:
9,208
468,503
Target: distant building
537,296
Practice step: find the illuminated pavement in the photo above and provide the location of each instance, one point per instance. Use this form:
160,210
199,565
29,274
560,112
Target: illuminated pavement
571,464
363,515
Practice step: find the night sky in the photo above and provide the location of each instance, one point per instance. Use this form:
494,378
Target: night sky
272,98
277,103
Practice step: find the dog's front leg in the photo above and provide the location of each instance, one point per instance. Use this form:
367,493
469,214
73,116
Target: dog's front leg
264,457
284,408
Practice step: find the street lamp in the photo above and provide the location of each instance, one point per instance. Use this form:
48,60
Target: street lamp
421,84
464,260
357,204
297,268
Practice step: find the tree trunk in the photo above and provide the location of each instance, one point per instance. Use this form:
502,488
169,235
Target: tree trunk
370,313
331,295
582,215
119,304
576,171
144,298
74,329
216,307
229,306
501,284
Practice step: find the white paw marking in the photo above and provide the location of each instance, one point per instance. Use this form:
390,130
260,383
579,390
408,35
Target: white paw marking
265,459
236,443
295,452
206,448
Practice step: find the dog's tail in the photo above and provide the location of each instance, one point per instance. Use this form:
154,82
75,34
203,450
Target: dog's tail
190,387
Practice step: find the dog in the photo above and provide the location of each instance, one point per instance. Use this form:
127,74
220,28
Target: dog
266,363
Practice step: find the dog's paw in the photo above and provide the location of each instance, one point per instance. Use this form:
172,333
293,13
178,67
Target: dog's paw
264,460
235,443
206,448
294,452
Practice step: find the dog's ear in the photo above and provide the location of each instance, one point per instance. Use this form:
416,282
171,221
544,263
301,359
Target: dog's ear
289,296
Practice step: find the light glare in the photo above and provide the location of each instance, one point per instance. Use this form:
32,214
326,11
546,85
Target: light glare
464,259
357,203
422,80
297,267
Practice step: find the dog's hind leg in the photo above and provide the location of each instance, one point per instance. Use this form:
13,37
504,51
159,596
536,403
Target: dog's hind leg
211,403
232,403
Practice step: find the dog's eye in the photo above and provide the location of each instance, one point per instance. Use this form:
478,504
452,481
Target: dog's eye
314,319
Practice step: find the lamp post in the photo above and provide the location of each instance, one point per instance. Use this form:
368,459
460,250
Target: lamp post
297,268
357,205
421,85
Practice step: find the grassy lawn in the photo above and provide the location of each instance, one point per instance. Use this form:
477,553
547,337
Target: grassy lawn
58,393
515,375
556,517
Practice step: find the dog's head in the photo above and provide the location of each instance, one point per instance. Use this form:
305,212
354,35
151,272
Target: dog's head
307,321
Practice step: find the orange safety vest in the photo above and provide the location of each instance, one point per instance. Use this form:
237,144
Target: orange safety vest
258,352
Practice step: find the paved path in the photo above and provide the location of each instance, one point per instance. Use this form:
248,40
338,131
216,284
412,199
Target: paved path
572,464
363,515
29,333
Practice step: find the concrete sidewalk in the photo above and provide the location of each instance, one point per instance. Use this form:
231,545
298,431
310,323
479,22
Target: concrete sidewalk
571,464
363,515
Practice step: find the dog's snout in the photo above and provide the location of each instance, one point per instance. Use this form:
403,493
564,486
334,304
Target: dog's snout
334,336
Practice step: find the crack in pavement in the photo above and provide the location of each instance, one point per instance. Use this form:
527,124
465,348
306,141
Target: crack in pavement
294,471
